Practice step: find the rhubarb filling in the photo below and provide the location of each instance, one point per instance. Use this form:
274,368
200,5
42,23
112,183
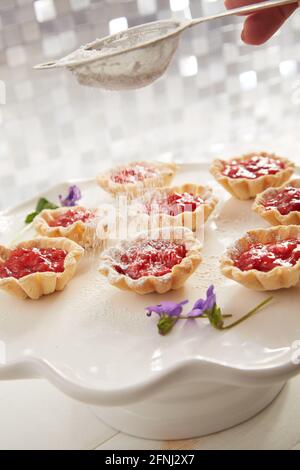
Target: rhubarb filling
150,258
72,216
174,204
265,257
133,174
253,167
285,201
24,261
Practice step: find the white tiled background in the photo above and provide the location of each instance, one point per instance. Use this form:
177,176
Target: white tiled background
219,95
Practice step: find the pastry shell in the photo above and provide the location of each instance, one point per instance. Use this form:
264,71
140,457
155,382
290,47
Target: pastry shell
83,233
36,285
160,284
189,219
273,216
244,188
277,278
164,176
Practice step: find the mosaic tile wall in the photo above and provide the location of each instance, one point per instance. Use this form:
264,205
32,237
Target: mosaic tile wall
218,97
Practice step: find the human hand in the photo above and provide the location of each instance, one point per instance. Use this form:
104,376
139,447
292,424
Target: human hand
259,27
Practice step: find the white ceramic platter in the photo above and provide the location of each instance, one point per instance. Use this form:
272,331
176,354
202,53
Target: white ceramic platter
96,344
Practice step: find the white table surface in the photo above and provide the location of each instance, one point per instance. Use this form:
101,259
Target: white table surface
34,415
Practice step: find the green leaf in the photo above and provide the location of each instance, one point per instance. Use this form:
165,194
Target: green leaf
30,217
165,324
42,204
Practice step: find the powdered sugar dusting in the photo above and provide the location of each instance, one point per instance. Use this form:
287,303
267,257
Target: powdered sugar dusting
208,273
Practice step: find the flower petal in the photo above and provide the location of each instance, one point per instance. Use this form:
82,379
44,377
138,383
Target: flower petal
199,304
210,298
210,291
153,309
73,196
171,309
196,312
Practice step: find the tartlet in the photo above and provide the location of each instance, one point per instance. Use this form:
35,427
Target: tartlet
246,176
265,259
135,177
75,223
280,206
155,261
38,267
187,205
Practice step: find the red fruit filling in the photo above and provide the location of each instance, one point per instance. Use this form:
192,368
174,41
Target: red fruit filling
151,257
174,204
285,201
265,257
133,174
24,261
70,217
253,168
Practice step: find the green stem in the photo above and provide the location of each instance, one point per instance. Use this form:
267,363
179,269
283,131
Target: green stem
252,312
240,320
199,316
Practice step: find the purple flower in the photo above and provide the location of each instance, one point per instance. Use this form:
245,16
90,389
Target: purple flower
202,306
71,199
170,312
171,309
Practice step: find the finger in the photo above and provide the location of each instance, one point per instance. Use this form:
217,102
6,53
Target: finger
259,27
